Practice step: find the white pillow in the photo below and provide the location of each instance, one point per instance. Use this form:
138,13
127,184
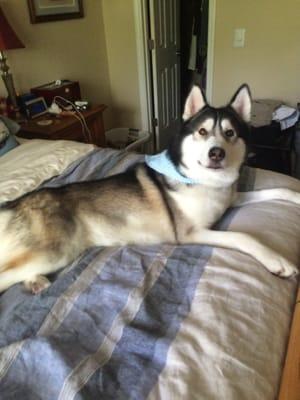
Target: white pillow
24,168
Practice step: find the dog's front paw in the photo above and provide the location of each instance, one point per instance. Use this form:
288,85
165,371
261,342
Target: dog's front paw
284,268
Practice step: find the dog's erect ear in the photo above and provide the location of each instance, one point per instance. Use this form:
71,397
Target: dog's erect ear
194,102
241,102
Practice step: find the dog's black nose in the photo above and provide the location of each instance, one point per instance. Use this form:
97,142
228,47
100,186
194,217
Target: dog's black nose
216,154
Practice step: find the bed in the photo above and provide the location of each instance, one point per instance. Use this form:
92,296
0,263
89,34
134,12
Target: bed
155,322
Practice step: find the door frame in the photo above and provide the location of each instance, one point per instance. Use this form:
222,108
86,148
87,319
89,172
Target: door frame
144,61
210,49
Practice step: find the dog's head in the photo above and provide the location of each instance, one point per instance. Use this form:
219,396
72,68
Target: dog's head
210,146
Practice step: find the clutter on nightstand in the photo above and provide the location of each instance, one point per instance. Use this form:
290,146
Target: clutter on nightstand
67,125
56,111
64,88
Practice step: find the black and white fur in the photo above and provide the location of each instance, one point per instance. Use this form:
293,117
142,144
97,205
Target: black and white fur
45,230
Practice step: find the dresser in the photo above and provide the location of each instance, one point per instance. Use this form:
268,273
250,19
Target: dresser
67,127
272,149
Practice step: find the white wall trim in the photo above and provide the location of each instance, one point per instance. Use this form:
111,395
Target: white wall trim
210,49
143,57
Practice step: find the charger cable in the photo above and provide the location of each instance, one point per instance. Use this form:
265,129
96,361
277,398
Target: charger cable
59,106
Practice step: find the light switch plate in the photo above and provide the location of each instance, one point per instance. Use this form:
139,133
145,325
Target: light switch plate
239,37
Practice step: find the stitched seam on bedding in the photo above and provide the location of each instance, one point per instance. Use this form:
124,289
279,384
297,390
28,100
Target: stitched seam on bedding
8,358
81,374
60,309
65,302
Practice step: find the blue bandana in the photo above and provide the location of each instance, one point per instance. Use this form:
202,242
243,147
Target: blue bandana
161,163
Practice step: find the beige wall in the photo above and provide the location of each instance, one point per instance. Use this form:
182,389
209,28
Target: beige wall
98,50
270,60
73,49
122,61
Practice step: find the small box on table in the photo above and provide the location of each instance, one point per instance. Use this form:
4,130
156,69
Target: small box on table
67,89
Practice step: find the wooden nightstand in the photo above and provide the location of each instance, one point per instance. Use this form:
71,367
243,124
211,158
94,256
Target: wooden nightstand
67,128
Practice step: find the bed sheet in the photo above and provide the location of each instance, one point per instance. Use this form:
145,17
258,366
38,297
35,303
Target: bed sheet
27,166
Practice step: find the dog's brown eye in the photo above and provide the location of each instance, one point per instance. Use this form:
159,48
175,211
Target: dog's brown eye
229,133
203,132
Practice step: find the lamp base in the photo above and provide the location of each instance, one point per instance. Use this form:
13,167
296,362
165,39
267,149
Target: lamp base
8,81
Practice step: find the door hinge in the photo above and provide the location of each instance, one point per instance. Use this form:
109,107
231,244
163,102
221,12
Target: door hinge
151,44
155,121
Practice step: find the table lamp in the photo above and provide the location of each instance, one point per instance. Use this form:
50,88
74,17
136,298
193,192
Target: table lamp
8,41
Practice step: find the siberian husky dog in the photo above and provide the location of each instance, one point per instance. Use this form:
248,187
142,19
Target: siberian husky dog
174,197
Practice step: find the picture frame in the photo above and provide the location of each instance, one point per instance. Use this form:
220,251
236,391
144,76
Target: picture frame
54,10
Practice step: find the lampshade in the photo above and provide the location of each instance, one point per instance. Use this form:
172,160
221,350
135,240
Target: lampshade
8,38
